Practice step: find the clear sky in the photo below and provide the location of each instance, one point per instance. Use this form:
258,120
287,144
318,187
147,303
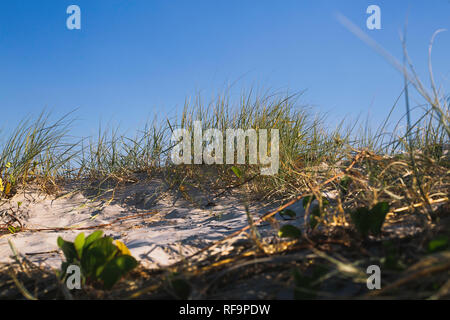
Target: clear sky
136,58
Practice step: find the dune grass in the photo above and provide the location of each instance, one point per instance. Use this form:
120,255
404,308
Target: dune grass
36,149
310,153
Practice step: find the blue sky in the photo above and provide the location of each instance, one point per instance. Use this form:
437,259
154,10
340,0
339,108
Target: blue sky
133,59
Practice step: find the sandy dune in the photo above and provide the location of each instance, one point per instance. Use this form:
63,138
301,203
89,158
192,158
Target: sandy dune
168,228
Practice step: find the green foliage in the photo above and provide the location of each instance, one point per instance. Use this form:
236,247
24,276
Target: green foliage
179,286
237,171
289,231
100,260
392,260
370,220
438,244
37,147
111,153
306,286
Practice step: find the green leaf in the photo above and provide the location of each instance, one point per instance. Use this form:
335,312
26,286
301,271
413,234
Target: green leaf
79,244
97,255
99,258
126,263
370,221
106,246
116,268
93,259
110,276
180,286
60,242
306,286
237,171
287,212
289,231
392,260
377,217
438,244
68,249
92,237
303,289
360,219
64,267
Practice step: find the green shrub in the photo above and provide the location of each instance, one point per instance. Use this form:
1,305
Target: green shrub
307,286
370,220
439,243
289,231
99,259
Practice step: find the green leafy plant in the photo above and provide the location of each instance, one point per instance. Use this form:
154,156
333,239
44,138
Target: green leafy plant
392,259
306,286
289,231
38,150
179,286
370,220
237,172
99,259
438,244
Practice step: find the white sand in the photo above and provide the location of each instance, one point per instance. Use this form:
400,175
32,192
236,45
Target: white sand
177,229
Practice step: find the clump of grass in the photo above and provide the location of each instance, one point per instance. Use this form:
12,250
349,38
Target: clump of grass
36,150
305,140
112,155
